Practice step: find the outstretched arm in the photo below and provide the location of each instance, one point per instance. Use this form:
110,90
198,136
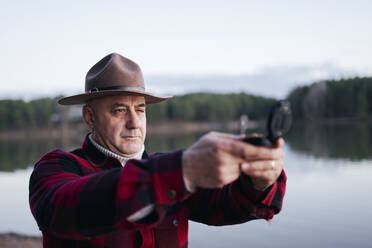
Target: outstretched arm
254,177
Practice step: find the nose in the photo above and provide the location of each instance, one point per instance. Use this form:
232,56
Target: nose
133,121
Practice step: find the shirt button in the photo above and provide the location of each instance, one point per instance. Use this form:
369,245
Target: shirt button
171,194
175,222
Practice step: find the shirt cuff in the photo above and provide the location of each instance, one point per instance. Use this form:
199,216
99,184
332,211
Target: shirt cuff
256,195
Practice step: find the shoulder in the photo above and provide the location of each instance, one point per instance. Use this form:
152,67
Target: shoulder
58,154
62,158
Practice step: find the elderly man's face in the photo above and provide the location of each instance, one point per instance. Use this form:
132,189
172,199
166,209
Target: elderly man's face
118,123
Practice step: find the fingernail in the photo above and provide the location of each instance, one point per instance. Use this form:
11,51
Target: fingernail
241,136
245,166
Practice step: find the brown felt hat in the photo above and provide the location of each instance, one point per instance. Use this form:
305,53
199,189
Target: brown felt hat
111,76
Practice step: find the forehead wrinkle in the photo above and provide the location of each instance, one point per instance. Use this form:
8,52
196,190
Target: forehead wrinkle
118,104
113,102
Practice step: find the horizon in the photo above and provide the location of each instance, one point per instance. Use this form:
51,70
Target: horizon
266,86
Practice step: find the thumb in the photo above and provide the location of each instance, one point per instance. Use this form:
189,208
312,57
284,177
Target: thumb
229,136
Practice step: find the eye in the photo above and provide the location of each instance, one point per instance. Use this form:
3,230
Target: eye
119,110
141,110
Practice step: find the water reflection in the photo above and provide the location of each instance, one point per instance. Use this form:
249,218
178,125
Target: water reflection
348,142
20,154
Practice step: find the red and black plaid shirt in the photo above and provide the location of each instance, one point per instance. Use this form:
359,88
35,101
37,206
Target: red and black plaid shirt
83,199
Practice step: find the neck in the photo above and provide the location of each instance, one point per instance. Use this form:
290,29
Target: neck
123,160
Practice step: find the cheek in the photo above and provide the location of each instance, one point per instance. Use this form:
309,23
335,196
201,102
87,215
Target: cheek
108,128
143,127
116,128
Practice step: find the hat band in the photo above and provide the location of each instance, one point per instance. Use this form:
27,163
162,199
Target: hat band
126,88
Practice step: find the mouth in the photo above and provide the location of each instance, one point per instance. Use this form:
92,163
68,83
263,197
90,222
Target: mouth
131,137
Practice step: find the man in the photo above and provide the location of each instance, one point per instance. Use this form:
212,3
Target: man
110,193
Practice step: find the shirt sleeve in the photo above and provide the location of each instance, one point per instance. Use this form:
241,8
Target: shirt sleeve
73,206
237,202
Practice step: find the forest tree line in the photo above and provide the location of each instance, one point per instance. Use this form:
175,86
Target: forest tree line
208,107
346,98
16,114
201,107
333,99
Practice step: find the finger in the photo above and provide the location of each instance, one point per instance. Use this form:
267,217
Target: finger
250,168
247,152
251,135
279,143
236,148
254,153
272,165
228,135
264,175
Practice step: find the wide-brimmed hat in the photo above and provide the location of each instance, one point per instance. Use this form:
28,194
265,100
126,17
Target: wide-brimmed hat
113,75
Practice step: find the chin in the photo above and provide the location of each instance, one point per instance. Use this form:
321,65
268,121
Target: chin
131,149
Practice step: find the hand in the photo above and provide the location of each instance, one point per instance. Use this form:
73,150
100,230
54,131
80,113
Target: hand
212,161
215,160
264,172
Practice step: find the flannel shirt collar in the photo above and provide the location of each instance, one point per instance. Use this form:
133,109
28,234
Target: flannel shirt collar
98,159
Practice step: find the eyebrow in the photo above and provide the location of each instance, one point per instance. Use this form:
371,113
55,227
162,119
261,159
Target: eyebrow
115,105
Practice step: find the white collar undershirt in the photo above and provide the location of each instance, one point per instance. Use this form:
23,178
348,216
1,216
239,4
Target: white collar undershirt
123,160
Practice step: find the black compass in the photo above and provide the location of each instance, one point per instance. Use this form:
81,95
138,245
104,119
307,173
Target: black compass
278,124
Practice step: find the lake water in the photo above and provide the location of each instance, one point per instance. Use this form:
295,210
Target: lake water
328,201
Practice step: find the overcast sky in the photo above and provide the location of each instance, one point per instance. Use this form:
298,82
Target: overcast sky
46,47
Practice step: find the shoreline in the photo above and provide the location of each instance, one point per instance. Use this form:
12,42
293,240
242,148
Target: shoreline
14,240
73,131
335,121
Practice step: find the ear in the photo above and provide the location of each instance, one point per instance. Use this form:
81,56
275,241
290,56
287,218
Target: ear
88,116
